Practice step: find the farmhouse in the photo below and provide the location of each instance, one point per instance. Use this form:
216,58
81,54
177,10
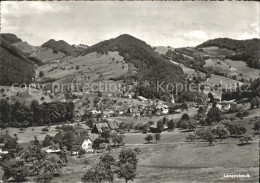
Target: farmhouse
162,109
113,125
52,149
84,142
98,128
154,129
58,137
142,99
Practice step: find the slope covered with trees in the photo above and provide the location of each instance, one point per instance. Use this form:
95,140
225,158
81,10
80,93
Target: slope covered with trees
246,50
151,66
14,67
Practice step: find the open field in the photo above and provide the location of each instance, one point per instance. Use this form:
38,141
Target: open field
181,162
46,55
26,94
216,51
232,67
241,68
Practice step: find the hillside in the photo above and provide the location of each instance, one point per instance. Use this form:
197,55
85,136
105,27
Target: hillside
246,50
10,38
14,67
150,65
25,47
60,46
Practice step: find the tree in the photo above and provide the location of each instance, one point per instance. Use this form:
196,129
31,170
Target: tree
99,94
103,171
235,129
47,141
148,138
68,140
210,138
160,126
81,152
14,169
257,126
117,138
96,143
12,146
245,139
185,117
214,115
105,134
184,106
255,102
190,137
206,134
44,177
41,74
221,131
127,164
171,125
157,137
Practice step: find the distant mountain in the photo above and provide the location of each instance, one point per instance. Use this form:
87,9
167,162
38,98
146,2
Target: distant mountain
247,50
60,46
14,67
150,65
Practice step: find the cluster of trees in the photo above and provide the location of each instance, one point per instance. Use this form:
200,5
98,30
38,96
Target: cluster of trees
108,168
156,137
186,123
32,162
196,62
20,115
105,136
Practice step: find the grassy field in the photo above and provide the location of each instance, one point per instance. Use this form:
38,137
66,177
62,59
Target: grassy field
46,55
216,51
241,68
232,67
181,162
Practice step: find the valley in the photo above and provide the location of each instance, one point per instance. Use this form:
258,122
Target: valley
90,102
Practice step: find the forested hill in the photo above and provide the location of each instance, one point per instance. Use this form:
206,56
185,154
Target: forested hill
247,50
10,38
14,67
151,66
60,46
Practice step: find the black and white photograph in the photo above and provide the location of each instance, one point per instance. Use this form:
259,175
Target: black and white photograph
129,91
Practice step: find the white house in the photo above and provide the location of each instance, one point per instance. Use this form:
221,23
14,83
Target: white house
95,111
142,98
164,109
87,145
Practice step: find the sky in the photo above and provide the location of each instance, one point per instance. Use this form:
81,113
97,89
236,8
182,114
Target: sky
175,24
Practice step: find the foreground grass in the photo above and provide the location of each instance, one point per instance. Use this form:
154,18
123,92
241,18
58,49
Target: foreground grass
181,162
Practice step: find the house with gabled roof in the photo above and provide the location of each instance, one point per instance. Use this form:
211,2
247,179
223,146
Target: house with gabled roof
98,127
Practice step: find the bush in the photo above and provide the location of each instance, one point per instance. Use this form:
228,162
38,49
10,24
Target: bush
185,117
203,122
241,115
235,129
148,138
